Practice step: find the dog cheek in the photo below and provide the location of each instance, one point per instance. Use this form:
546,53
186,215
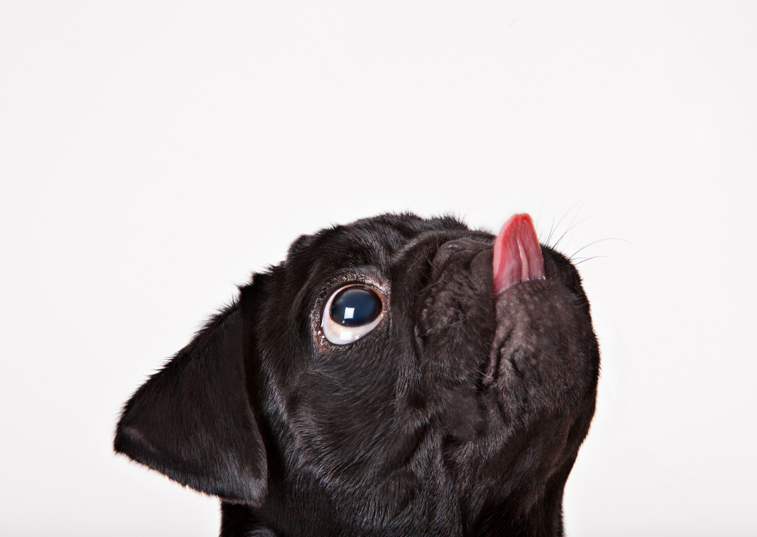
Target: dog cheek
541,359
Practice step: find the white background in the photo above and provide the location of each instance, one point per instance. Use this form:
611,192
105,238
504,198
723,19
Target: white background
153,154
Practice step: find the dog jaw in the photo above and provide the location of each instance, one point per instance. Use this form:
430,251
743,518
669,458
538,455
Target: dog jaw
511,370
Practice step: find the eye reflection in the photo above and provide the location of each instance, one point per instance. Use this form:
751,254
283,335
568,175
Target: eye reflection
350,313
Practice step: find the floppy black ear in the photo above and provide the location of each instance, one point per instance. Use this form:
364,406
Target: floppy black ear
192,421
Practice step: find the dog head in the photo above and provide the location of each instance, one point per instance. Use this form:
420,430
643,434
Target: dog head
395,376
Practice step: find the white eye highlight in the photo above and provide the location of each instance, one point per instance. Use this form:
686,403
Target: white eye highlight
350,313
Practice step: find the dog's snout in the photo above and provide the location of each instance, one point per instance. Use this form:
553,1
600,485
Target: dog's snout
464,246
455,321
459,282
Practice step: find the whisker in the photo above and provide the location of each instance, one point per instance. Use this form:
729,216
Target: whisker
585,259
572,225
551,229
428,287
563,218
595,242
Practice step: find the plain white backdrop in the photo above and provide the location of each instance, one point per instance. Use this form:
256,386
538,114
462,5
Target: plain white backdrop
154,154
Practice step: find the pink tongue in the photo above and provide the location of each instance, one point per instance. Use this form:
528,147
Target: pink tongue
517,254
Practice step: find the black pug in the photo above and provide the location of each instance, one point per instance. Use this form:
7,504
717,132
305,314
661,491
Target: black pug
397,376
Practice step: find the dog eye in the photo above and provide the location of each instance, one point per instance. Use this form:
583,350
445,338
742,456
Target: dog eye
350,313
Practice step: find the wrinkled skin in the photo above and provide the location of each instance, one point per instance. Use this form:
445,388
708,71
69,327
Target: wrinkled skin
459,414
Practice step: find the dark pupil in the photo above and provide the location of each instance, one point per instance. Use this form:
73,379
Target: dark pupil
355,306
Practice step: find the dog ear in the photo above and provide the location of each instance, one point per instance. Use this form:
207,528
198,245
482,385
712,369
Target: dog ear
193,422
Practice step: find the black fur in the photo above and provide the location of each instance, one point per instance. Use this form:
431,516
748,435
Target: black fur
458,415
